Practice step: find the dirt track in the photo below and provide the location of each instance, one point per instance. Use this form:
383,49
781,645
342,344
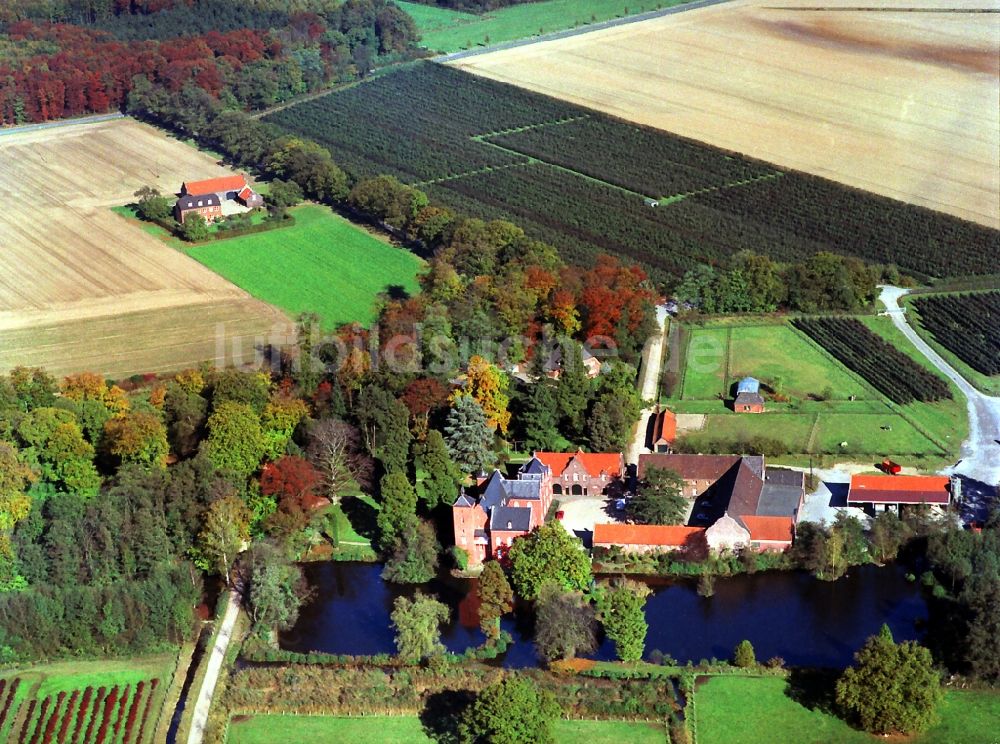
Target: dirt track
81,287
900,103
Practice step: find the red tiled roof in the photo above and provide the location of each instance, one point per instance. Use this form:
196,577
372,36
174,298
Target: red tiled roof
594,462
246,193
645,534
215,185
899,489
666,427
769,529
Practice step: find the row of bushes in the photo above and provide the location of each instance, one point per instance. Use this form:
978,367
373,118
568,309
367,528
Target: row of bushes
259,652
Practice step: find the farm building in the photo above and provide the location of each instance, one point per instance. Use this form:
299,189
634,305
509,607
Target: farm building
223,191
207,205
649,538
552,366
580,473
748,397
664,431
882,492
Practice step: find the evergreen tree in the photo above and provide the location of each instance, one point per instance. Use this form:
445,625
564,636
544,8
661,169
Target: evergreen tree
743,655
441,484
659,499
540,417
399,509
415,556
468,436
575,389
385,421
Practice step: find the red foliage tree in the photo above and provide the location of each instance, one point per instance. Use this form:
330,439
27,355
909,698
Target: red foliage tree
293,480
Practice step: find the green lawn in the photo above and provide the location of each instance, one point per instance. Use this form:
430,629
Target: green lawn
706,364
408,730
450,31
322,264
742,710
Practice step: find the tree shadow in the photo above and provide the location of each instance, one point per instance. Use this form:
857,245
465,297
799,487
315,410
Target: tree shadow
814,689
362,517
443,713
396,292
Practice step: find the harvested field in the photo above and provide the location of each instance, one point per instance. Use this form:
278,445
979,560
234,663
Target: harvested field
81,288
899,102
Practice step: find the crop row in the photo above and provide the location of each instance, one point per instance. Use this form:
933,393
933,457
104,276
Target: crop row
891,372
638,159
8,690
428,121
967,325
90,716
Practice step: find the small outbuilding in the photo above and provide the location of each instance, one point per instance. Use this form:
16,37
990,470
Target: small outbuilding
748,397
881,492
664,431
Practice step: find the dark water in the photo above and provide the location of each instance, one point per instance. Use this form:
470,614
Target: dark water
788,614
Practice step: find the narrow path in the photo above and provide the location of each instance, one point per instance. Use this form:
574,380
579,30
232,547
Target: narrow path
199,716
649,385
981,451
95,119
586,29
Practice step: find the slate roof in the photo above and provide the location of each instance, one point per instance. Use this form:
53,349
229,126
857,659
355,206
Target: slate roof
191,202
464,499
510,518
749,399
534,466
785,477
778,500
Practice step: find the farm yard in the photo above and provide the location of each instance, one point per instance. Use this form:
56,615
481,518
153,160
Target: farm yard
569,176
321,264
119,702
815,404
794,85
82,288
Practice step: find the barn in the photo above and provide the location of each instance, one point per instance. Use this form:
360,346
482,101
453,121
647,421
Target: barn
210,197
882,492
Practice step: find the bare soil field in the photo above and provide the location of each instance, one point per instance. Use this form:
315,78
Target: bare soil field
887,97
82,288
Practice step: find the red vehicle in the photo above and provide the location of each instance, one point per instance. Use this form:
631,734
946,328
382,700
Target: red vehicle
560,514
891,467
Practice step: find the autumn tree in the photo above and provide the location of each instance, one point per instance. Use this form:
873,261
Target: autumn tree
468,436
417,623
137,437
235,439
281,416
488,385
293,482
64,456
892,689
659,499
226,530
15,505
496,599
548,553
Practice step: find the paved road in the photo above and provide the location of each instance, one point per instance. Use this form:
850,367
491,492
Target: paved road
61,123
577,31
199,717
980,452
649,384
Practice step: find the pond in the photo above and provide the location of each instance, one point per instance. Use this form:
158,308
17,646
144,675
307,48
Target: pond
788,614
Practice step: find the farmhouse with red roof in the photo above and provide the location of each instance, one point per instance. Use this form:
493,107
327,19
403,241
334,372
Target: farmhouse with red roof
583,473
210,197
882,492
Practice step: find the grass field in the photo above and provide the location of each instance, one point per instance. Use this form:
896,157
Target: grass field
83,289
782,83
322,264
444,30
741,710
408,730
720,354
59,691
